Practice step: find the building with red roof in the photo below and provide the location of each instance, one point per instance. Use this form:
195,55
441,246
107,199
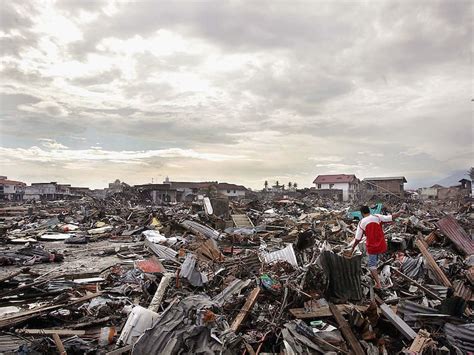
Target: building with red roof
349,184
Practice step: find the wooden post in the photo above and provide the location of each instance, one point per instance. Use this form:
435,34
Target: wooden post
427,290
440,276
160,292
421,341
399,323
59,344
245,309
346,331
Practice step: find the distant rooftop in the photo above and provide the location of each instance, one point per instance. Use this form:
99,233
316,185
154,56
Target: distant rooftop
5,181
334,179
384,178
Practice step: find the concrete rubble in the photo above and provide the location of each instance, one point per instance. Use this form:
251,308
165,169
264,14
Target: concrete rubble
268,276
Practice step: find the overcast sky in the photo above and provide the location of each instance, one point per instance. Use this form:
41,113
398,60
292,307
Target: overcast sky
234,91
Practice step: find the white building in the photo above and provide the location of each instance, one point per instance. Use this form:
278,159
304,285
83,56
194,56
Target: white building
349,184
10,189
231,190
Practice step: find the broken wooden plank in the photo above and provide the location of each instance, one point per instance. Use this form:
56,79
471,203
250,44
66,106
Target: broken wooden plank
22,287
51,331
431,239
22,316
346,331
245,309
160,292
399,323
121,350
421,341
241,220
302,313
93,322
440,276
13,274
59,344
417,284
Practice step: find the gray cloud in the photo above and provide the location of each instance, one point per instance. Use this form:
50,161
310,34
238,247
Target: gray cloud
280,82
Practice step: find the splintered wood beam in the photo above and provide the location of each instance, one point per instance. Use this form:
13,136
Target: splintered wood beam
59,344
346,331
417,284
245,309
440,276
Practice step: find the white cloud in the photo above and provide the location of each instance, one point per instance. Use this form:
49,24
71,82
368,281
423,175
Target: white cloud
45,107
51,144
59,153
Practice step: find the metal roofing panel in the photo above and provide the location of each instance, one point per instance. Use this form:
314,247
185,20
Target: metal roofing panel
234,288
451,229
441,291
199,228
344,275
413,312
460,335
150,265
412,267
462,290
285,254
10,343
161,251
180,329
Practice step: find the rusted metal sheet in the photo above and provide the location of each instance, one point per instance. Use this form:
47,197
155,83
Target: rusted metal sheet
462,290
451,229
151,265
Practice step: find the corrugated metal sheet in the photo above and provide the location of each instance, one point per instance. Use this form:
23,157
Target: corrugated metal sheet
412,266
180,329
462,290
191,272
460,336
344,275
285,254
413,312
234,288
450,228
199,228
161,251
150,265
441,291
10,343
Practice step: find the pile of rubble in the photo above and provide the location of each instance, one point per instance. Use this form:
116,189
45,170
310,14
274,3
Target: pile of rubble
251,276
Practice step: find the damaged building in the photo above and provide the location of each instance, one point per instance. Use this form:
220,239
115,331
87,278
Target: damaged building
376,186
180,191
11,190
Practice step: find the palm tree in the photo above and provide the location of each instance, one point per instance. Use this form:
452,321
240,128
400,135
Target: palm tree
295,185
265,184
277,184
290,185
471,173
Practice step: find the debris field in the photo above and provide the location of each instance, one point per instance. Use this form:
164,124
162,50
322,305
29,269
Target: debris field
262,275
